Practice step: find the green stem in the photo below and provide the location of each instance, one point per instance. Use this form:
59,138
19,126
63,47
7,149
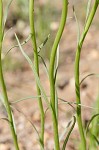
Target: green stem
77,80
51,71
3,86
36,63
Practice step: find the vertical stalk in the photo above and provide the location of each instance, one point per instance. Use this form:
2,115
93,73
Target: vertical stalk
2,83
51,72
77,62
36,63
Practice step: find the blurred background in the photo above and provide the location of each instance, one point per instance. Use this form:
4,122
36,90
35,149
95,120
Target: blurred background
19,77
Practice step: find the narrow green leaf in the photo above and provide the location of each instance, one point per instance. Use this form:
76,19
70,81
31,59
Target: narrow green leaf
27,119
69,133
71,104
46,111
45,66
25,98
6,33
85,106
96,140
90,121
92,74
93,141
88,9
36,97
15,46
5,119
43,44
67,102
34,71
65,131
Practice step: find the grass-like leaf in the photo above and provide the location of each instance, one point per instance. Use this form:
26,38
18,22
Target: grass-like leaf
13,107
71,104
5,119
90,121
7,33
66,102
15,46
88,9
25,98
92,74
45,66
34,71
43,44
65,131
95,139
69,133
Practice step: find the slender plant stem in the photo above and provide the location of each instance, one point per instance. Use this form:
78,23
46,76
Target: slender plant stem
2,83
77,78
36,63
51,71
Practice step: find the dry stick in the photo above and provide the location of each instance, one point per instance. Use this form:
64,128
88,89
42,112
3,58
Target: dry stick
51,72
36,63
77,62
2,82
